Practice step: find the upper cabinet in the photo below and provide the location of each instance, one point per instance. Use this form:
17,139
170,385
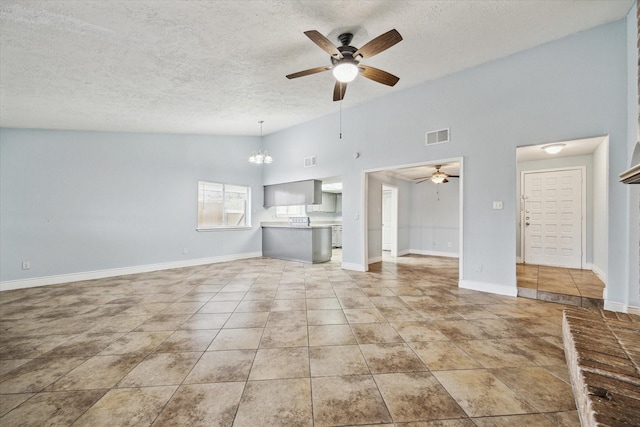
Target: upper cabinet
328,203
307,192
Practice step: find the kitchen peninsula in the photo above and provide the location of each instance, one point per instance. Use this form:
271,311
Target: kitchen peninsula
310,244
298,239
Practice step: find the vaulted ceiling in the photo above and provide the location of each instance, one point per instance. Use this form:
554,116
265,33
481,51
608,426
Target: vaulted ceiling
218,67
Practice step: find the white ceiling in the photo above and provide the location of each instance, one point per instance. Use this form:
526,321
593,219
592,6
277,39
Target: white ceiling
418,173
217,67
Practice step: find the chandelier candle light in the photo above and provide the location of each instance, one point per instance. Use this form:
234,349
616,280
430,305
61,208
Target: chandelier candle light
260,157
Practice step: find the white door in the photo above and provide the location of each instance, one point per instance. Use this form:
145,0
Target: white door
552,218
387,220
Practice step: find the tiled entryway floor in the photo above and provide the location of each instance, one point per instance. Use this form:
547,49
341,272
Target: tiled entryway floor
263,342
564,285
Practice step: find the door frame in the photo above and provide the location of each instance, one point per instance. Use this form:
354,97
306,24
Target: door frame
583,209
394,215
365,199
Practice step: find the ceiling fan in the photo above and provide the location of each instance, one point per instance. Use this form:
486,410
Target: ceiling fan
438,177
345,60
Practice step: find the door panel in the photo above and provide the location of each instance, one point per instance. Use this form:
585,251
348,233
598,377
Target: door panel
553,218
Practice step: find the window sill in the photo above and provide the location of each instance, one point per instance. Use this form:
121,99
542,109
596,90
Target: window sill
224,229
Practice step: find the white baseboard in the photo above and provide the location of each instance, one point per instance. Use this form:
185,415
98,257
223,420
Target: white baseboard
112,272
434,253
621,307
493,288
404,252
518,260
598,272
353,267
617,306
375,259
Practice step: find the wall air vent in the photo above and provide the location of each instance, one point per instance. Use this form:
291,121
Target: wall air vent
310,162
437,137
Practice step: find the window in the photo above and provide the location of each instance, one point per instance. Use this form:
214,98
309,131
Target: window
223,206
287,211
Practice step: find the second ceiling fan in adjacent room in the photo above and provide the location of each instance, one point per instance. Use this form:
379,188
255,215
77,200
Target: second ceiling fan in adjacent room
438,177
345,60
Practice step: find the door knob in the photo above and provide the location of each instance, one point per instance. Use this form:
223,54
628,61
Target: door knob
526,223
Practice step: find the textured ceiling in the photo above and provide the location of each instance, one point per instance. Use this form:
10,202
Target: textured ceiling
217,67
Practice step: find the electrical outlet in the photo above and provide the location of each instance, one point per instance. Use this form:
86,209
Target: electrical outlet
26,265
449,244
184,251
497,205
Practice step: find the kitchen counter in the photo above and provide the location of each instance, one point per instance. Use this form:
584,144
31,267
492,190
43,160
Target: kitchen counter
303,244
282,224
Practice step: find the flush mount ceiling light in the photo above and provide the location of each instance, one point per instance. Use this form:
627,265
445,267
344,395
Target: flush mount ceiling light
553,148
260,157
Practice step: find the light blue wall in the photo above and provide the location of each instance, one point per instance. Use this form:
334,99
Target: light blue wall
83,201
568,89
435,217
374,212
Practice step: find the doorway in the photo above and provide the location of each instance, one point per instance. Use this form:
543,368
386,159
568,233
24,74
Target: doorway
390,219
426,224
554,209
562,217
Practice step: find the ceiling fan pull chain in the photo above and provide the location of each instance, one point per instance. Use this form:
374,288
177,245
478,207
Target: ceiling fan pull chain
340,119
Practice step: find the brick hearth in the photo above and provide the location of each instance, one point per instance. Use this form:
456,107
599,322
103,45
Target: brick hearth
603,355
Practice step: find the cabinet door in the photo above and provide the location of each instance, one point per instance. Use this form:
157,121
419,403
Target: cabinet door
328,203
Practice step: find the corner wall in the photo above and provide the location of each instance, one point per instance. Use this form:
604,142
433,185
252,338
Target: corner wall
77,204
571,88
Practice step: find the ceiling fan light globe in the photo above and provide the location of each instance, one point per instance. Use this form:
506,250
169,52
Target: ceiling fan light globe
439,177
252,158
345,72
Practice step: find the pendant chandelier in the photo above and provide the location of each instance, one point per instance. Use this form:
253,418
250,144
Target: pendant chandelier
260,157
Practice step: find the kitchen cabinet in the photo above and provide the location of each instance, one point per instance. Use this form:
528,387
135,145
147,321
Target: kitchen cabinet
328,203
303,244
336,236
307,192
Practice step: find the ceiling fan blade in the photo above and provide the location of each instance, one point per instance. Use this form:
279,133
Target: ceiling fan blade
379,44
308,72
453,176
444,181
324,43
422,180
338,91
378,75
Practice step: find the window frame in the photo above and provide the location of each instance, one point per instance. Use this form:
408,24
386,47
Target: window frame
224,227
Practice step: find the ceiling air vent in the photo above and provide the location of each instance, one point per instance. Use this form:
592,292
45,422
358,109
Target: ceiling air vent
310,162
437,137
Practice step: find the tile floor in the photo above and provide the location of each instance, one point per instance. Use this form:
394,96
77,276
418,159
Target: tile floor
263,342
570,286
